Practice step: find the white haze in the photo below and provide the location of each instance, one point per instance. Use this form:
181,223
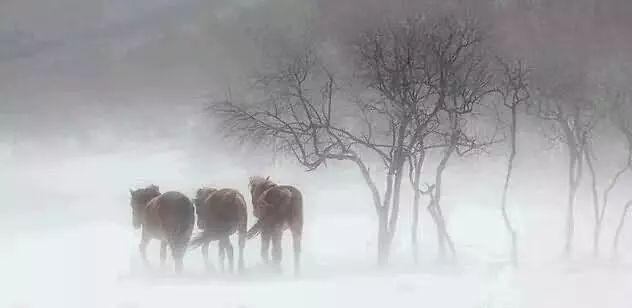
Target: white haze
68,242
82,120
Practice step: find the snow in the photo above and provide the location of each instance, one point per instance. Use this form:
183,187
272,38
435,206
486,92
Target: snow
66,247
96,265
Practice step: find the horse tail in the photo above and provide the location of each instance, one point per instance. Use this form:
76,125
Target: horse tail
297,201
293,214
179,224
254,230
242,214
203,237
184,222
297,208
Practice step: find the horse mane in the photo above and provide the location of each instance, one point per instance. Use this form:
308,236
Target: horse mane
256,181
152,188
204,193
146,194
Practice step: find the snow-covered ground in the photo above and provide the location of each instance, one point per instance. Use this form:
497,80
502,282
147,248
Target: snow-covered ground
96,265
66,241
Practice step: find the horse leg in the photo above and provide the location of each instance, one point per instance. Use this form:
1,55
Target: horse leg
222,254
277,253
296,243
242,244
207,263
229,253
177,251
142,247
265,246
163,253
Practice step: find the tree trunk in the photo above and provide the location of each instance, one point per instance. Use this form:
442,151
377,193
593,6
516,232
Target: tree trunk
574,176
439,225
443,236
595,197
505,214
389,213
442,230
617,235
397,187
570,217
383,238
383,243
601,212
415,181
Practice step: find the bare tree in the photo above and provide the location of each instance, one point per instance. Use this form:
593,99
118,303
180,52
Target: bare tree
561,98
622,108
575,134
578,131
460,80
619,119
423,72
416,162
513,90
457,142
299,113
617,235
375,121
393,64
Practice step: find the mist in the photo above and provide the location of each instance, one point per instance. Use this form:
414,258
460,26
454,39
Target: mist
98,98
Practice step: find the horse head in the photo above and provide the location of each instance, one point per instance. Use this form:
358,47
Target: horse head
258,185
201,196
138,201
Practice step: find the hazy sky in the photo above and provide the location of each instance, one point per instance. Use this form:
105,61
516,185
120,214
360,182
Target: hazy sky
106,76
99,96
69,65
73,65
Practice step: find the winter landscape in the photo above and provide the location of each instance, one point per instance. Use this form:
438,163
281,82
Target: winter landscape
448,153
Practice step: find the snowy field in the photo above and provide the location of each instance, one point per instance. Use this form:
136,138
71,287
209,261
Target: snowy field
96,265
99,97
78,249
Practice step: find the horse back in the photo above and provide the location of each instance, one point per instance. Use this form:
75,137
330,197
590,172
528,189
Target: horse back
285,204
170,214
295,217
225,211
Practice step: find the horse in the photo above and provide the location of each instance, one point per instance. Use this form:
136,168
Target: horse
277,208
167,217
221,213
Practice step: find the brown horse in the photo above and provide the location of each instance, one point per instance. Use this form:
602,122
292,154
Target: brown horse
221,213
167,217
277,208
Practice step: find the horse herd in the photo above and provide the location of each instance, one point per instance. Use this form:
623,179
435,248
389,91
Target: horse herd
170,218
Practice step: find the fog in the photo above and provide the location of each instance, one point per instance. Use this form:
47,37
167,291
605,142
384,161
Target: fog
99,97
